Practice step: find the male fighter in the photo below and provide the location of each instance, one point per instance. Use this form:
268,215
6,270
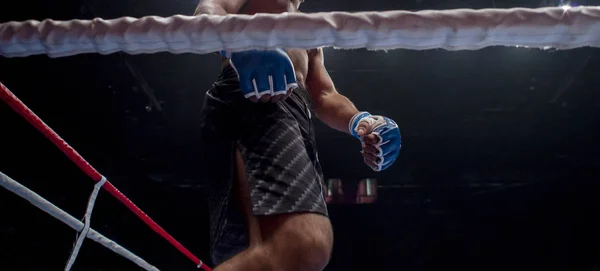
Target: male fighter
266,201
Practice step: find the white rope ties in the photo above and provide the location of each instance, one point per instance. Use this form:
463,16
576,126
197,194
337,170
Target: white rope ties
70,221
86,227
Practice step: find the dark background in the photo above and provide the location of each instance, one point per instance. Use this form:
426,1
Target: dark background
499,169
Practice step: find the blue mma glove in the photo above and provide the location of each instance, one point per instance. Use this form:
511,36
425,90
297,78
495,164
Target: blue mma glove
387,132
263,72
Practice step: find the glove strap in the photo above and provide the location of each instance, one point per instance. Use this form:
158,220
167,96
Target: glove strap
354,122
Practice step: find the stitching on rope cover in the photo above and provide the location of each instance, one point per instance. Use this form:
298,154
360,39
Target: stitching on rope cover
460,29
52,210
86,227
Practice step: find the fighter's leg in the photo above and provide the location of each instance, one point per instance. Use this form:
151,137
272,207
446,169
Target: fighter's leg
297,241
254,257
293,241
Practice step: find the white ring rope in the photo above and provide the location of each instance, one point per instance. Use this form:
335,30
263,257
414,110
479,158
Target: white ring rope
461,29
51,209
87,221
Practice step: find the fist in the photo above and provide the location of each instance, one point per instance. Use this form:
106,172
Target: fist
265,75
380,139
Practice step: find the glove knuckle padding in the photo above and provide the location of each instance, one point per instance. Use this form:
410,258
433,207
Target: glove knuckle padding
290,77
262,72
279,84
247,85
262,80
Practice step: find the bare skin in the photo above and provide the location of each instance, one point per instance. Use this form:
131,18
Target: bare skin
297,241
289,242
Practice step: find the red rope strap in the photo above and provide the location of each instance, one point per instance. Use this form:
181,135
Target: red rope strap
34,120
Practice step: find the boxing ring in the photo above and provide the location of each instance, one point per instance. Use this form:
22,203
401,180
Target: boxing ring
462,29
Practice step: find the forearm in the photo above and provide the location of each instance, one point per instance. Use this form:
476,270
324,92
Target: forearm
335,110
210,9
218,7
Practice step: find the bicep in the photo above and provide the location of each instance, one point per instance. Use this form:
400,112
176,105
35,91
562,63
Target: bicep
219,7
318,81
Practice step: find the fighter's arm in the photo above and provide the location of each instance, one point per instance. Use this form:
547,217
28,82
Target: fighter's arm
379,135
219,7
265,75
333,108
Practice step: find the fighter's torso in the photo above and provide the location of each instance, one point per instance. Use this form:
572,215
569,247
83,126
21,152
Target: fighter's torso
299,57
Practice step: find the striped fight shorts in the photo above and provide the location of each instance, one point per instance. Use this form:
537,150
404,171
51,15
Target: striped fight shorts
277,143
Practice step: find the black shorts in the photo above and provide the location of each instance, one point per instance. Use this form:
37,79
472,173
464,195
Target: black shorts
277,143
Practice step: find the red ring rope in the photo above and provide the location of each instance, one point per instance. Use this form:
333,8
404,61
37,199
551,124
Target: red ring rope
16,104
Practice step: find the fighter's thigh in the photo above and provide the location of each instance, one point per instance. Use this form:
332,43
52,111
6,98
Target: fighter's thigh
281,174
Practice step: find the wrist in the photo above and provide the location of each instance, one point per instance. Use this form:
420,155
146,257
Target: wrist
225,54
354,122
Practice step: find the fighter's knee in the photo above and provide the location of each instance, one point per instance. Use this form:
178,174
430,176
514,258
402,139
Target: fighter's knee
315,251
305,249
